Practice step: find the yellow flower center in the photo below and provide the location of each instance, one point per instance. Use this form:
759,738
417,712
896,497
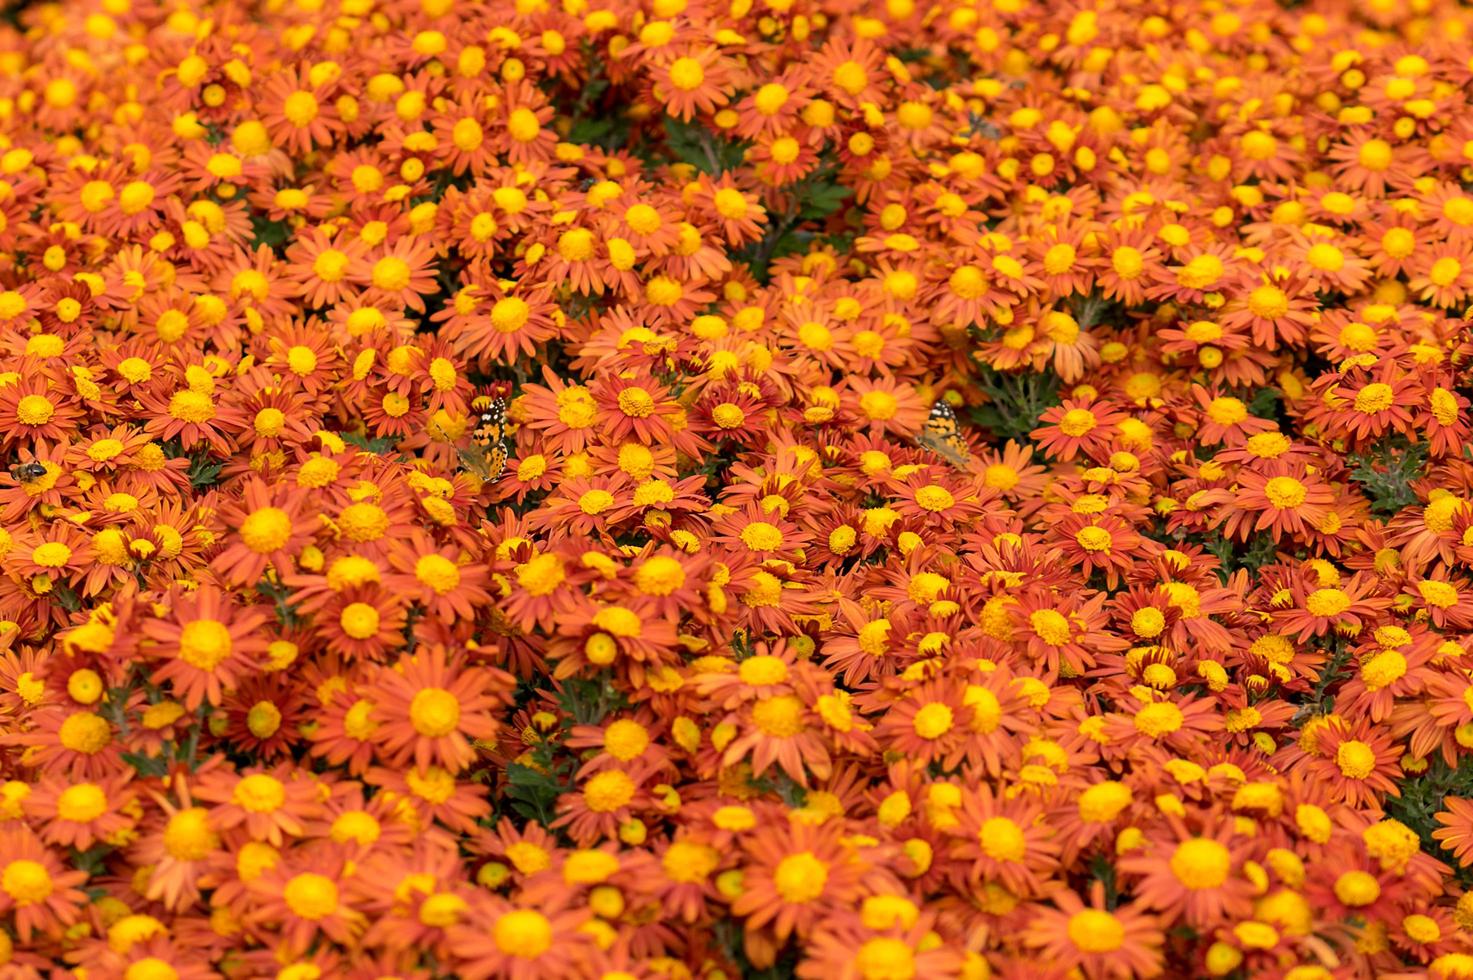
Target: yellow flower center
259,793
510,314
1002,839
608,791
1077,422
330,265
85,732
300,108
358,721
34,410
523,933
438,573
204,643
359,620
1444,406
523,125
356,825
1445,271
1421,928
1147,622
885,958
191,406
1285,492
1000,476
762,670
576,245
1103,802
391,273
1201,863
1268,302
779,717
1439,594
595,502
311,896
762,536
81,803
1383,670
730,203
1357,888
1375,155
301,360
541,575
434,712
626,739
26,882
933,720
1373,398
968,282
1096,931
934,498
1327,602
467,135
363,522
878,405
1051,626
263,719
266,530
1356,759
800,878
687,74
659,575
1200,272
188,837
51,554
636,403
1227,411
1158,719
269,422
689,862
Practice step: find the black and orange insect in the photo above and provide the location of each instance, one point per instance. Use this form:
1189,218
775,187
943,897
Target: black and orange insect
490,445
942,434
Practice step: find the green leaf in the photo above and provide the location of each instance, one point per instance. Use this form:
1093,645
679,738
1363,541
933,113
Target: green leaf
533,793
1385,473
606,132
204,471
268,232
1265,403
378,446
66,597
1260,550
1015,401
698,146
147,766
1422,797
588,700
823,198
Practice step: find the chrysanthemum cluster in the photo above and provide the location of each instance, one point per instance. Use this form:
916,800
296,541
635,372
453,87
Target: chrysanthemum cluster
752,662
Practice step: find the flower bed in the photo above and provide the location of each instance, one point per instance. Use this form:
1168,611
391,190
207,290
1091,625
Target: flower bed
689,489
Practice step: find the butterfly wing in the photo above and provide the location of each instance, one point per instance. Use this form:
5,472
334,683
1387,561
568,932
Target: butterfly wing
942,435
487,454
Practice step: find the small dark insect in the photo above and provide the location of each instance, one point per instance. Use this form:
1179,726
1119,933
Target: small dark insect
489,449
28,472
942,434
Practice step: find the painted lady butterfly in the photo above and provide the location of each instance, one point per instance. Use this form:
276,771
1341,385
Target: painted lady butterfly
490,446
942,434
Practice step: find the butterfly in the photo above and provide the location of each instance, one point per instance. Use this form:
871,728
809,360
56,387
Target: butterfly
487,454
942,434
